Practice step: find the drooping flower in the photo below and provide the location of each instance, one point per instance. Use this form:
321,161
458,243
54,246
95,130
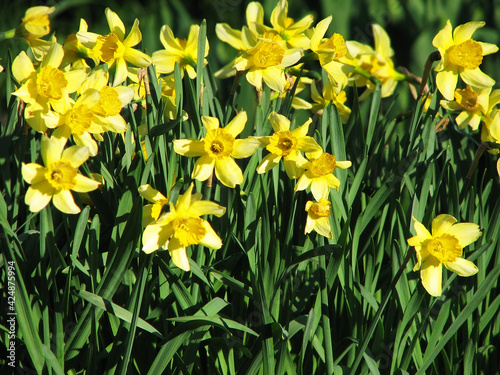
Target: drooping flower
317,218
59,175
46,90
218,149
330,95
287,144
444,246
182,226
114,48
319,176
461,56
35,23
184,52
472,104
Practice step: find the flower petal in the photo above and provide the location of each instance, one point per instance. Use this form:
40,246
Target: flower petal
237,124
202,207
137,58
274,77
462,267
320,188
279,122
84,184
444,39
446,82
22,67
179,255
441,224
465,233
203,168
150,194
76,155
38,198
33,173
63,200
421,231
268,163
189,147
464,32
228,172
244,148
115,23
134,36
476,78
155,236
211,239
210,123
431,274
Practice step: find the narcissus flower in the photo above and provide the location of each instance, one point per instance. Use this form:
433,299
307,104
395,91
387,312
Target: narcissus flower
472,104
444,246
114,48
267,62
182,226
461,56
319,176
35,23
59,176
218,149
47,89
330,95
287,144
317,218
184,52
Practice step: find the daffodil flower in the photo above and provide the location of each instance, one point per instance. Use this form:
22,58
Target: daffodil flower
319,176
317,218
114,48
59,176
182,226
444,246
218,149
330,95
376,62
151,212
266,62
47,89
287,144
461,56
184,52
35,23
472,104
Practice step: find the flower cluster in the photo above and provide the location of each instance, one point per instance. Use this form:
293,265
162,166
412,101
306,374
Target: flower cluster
75,92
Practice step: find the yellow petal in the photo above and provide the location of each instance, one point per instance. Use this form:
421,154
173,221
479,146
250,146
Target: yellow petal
244,148
155,236
228,172
323,227
320,188
64,202
230,36
211,239
343,164
382,41
150,194
134,37
292,169
431,274
115,24
274,77
210,123
444,39
420,230
54,56
302,183
488,48
189,147
237,124
464,32
33,173
179,255
319,32
268,163
137,58
446,82
85,140
301,131
462,267
84,184
441,224
76,155
37,199
121,72
202,207
476,78
279,122
22,67
203,168
254,77
465,233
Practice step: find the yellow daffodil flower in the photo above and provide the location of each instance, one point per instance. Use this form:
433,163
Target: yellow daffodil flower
218,149
317,218
473,104
47,89
184,52
443,247
376,62
151,212
461,56
290,31
267,62
330,96
114,48
182,227
35,23
75,53
319,176
59,176
287,144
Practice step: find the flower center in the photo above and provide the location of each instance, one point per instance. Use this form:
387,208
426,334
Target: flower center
282,143
336,43
189,231
267,53
61,175
50,82
468,54
108,48
445,248
79,119
323,165
218,143
109,103
467,98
